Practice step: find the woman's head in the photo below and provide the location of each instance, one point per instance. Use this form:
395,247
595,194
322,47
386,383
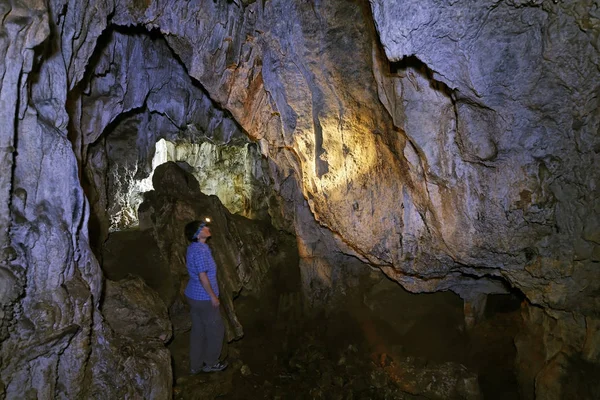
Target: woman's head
191,230
195,229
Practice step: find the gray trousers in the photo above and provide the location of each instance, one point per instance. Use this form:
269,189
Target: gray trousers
206,337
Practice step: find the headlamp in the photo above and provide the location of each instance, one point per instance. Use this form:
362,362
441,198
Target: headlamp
202,225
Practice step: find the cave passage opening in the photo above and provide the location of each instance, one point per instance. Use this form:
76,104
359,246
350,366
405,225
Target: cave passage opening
367,341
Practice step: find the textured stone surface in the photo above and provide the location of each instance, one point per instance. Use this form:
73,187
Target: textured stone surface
121,367
47,324
53,336
22,30
235,173
441,381
138,93
511,145
511,153
242,248
133,309
557,355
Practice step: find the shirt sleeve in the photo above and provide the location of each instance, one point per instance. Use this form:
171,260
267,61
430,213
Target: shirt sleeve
203,260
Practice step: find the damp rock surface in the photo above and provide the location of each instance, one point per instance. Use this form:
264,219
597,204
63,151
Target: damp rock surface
134,310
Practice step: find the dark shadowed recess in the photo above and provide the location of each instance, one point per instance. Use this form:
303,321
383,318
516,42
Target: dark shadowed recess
413,62
104,40
355,349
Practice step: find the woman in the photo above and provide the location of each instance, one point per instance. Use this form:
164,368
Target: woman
202,294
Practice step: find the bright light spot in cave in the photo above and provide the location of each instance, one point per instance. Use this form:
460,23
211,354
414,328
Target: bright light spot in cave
231,172
129,201
348,156
165,151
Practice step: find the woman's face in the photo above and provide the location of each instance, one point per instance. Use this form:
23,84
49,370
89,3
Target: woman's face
204,233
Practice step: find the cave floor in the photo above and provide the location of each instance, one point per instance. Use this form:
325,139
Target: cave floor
354,353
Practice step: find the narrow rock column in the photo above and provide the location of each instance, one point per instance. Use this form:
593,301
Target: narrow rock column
22,30
474,308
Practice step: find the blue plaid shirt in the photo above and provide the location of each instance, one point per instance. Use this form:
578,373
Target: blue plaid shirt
200,259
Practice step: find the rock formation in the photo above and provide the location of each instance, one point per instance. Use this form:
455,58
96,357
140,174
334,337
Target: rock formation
242,247
453,145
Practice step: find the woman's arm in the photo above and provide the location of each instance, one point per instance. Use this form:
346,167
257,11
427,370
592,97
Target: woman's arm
206,285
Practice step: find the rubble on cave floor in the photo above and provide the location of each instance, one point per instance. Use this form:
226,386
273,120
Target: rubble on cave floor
351,354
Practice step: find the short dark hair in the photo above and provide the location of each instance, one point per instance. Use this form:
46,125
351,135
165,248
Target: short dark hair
191,229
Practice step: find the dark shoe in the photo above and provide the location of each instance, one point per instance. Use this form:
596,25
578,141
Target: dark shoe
220,366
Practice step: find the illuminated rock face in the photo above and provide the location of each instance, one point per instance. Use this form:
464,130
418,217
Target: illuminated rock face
506,153
139,109
506,158
459,156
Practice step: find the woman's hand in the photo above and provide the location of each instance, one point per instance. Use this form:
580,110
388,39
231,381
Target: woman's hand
206,285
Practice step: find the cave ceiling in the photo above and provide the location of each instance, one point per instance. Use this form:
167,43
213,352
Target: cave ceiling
448,148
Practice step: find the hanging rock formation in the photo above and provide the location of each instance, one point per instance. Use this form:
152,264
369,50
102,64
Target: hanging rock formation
451,144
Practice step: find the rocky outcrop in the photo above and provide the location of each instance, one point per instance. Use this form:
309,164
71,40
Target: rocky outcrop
120,367
135,311
54,340
140,326
138,108
443,381
556,346
242,248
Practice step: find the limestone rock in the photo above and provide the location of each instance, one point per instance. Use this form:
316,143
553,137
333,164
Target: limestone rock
557,355
504,124
134,310
241,247
24,27
125,368
439,381
51,328
497,139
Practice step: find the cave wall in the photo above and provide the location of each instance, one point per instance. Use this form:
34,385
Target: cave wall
451,144
136,93
509,145
511,156
55,343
